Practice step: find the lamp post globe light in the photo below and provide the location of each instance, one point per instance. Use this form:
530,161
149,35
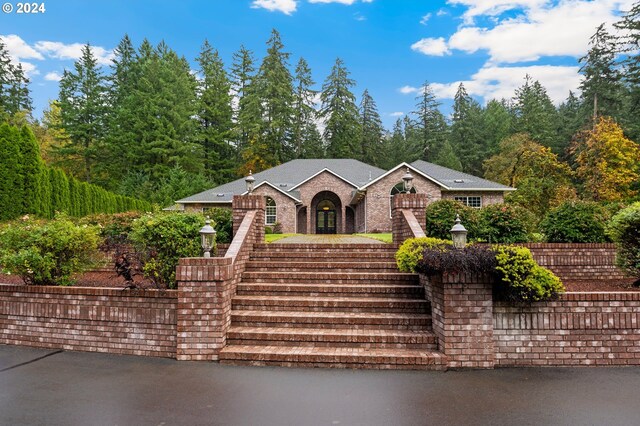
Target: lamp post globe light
207,237
459,234
249,180
408,181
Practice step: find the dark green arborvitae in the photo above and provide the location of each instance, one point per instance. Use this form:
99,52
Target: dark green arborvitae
31,169
10,178
340,113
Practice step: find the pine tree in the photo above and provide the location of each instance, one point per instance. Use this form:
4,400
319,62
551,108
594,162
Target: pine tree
535,114
83,110
340,113
304,134
497,124
467,141
372,130
246,112
431,124
601,89
570,120
215,116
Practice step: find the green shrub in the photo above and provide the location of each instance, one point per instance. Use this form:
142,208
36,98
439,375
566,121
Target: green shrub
504,223
223,220
268,230
47,252
576,222
521,279
162,239
441,216
411,251
624,230
114,228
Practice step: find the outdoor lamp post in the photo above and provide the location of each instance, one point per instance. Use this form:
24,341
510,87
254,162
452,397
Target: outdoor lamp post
249,180
408,181
208,237
459,234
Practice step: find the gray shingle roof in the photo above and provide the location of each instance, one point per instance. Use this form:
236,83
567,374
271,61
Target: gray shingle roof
455,180
288,175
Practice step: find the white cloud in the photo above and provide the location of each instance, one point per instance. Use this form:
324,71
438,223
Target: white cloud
58,50
425,19
285,6
18,48
406,90
541,29
396,114
347,2
431,46
495,82
53,76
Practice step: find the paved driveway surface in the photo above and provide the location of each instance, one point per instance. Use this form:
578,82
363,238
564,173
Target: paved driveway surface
72,388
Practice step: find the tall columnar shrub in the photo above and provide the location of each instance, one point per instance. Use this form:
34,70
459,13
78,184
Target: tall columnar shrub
10,181
575,222
441,217
31,169
47,252
163,239
624,230
504,223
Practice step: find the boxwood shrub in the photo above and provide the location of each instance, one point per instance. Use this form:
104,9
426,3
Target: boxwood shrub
576,222
441,217
504,223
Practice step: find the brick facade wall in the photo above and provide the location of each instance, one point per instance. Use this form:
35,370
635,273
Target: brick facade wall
379,198
578,329
577,261
285,208
89,319
409,220
325,181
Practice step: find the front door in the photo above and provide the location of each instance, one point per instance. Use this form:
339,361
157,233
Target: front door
326,222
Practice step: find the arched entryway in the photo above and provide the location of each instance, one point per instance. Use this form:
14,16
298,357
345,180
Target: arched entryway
326,217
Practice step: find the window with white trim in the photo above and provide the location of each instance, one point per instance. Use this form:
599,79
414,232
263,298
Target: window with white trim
270,212
474,201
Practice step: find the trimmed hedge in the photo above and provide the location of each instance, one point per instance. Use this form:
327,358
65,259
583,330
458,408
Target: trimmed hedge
576,222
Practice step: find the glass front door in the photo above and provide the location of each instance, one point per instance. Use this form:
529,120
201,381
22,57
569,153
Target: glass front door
326,222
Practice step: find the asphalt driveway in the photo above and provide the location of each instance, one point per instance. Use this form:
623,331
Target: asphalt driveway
47,387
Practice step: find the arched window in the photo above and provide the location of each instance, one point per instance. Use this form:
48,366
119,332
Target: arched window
397,189
270,213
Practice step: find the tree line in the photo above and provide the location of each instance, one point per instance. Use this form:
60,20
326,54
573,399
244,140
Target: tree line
150,127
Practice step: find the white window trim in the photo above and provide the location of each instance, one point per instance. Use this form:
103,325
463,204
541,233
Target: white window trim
464,199
274,215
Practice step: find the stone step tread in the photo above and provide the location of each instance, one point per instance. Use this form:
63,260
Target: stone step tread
302,333
330,315
332,354
319,300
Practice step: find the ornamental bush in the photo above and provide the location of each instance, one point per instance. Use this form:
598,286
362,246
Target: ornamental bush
47,252
441,216
162,239
114,228
504,223
411,251
624,230
223,220
576,222
521,279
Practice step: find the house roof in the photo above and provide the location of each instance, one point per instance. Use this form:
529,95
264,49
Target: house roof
286,177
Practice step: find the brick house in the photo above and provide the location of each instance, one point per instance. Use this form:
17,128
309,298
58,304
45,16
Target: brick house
343,195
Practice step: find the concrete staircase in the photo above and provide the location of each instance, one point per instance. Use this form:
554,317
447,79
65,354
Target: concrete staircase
339,305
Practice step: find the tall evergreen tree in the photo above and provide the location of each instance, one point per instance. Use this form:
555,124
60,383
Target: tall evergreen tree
304,133
372,130
431,124
570,120
535,114
601,88
215,116
31,167
340,113
83,110
246,113
14,86
497,124
467,141
11,187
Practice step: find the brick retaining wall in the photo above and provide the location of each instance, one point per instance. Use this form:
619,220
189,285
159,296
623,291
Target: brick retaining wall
577,329
89,319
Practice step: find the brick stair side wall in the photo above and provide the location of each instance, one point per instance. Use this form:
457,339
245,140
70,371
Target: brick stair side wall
408,218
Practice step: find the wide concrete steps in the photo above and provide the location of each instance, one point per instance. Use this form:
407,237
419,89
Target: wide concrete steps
329,304
338,320
396,278
333,357
330,290
313,337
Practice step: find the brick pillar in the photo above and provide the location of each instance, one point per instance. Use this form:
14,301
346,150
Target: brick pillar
462,311
416,203
204,305
242,204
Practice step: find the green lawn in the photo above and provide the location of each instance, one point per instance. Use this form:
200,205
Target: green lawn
385,238
269,238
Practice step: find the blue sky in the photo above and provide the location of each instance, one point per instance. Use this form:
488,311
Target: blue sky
391,47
